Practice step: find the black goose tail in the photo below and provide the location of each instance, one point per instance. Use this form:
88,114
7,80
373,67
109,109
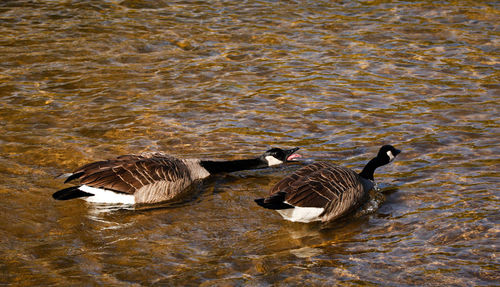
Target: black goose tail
70,193
275,201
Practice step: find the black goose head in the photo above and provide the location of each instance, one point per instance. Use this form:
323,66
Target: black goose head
276,156
386,154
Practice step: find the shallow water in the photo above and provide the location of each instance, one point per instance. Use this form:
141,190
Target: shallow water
88,80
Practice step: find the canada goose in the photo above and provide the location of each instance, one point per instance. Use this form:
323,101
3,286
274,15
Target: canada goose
324,191
156,177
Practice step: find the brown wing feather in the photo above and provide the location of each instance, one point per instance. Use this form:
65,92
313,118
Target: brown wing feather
296,176
129,173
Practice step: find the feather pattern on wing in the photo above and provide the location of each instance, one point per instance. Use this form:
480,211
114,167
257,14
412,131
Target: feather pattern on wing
131,173
323,184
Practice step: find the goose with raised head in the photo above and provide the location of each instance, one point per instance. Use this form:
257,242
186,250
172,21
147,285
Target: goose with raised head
324,191
154,177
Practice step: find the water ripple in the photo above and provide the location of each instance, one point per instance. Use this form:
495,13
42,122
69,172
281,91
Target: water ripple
82,81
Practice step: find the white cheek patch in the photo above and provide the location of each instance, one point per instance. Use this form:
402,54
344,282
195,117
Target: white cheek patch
271,160
106,196
390,155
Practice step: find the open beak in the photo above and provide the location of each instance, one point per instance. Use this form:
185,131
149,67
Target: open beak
290,154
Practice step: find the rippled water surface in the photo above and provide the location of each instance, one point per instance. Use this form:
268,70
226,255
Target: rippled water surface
87,80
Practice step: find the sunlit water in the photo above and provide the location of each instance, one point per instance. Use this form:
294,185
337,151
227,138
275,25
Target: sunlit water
88,80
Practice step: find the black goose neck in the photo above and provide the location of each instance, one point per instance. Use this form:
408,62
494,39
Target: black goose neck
370,167
232,165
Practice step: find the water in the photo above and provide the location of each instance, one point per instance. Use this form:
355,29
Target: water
88,80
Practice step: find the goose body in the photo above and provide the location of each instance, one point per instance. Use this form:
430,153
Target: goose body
324,191
156,177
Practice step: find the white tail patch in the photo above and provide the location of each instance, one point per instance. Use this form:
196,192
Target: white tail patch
271,160
106,196
301,214
390,155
